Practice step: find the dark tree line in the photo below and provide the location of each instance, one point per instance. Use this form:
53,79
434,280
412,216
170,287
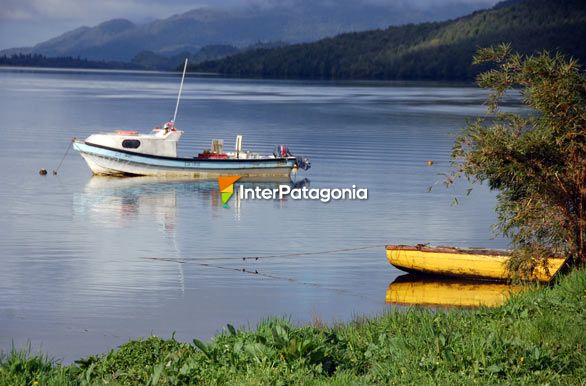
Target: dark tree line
37,60
423,51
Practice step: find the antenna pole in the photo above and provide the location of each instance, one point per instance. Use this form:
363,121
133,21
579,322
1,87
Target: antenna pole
180,90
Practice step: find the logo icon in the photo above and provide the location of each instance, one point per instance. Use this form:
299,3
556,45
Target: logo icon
226,184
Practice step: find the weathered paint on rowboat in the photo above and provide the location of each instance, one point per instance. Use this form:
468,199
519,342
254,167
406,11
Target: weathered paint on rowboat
409,290
467,263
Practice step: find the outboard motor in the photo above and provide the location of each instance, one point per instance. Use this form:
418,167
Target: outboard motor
282,151
303,162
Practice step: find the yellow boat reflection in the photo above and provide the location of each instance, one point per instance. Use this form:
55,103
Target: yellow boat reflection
428,291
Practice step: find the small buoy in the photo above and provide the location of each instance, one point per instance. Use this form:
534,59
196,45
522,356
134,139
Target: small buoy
54,172
43,172
429,162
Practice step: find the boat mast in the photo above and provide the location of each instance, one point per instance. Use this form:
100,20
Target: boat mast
180,89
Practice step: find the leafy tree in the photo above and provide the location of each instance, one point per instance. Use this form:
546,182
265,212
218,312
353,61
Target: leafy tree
537,161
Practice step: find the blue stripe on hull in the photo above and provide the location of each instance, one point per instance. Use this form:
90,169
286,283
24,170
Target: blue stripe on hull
184,164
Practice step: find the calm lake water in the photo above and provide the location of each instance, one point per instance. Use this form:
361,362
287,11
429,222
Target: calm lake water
88,263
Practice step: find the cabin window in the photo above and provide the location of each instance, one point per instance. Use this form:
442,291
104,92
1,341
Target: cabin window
131,143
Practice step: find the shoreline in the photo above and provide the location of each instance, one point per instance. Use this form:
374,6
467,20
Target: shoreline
535,337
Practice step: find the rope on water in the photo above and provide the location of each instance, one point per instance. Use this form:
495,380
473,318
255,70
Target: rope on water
244,258
261,274
207,262
64,155
314,253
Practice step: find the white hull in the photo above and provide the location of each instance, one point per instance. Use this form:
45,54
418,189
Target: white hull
111,162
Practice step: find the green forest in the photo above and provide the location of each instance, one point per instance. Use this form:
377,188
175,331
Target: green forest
427,51
438,51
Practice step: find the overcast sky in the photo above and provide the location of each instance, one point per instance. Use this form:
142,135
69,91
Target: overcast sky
27,22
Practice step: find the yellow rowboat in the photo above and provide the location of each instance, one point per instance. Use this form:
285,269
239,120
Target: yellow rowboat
429,291
471,263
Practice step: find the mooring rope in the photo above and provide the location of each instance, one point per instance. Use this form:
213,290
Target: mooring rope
208,262
64,155
257,273
314,253
296,254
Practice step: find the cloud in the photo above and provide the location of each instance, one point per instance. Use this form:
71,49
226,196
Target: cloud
27,22
91,11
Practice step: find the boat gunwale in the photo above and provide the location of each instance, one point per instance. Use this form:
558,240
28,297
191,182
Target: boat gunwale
559,261
184,159
447,249
174,167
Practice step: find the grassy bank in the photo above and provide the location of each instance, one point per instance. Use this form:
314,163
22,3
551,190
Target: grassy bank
537,337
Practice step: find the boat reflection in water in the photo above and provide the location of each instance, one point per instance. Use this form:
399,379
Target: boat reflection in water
443,292
133,213
117,200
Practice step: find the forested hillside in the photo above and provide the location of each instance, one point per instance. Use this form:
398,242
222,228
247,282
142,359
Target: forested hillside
441,50
239,24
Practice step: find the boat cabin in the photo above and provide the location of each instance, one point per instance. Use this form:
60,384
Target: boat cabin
160,142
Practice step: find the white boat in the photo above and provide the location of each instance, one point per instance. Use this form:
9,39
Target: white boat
130,153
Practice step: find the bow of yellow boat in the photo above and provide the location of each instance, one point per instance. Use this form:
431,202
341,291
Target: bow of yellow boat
465,263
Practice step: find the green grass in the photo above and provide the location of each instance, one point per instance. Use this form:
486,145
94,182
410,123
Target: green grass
537,337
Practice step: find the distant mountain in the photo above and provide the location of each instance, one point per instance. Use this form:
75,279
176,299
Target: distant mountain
289,21
441,50
79,41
